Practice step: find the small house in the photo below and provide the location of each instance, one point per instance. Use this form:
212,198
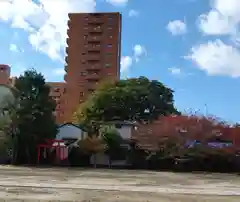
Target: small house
70,132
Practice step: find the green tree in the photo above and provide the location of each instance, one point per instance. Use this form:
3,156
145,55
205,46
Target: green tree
5,139
137,99
113,141
7,109
33,120
92,145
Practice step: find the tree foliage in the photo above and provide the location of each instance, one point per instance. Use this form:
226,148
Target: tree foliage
33,120
191,127
7,109
180,132
137,99
92,145
113,141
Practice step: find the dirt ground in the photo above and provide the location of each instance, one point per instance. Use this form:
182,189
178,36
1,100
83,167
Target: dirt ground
80,185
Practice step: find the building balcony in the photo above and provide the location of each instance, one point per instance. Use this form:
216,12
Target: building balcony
67,41
94,38
65,77
66,59
93,57
93,77
95,30
65,68
94,47
90,90
68,32
95,67
95,20
66,51
92,84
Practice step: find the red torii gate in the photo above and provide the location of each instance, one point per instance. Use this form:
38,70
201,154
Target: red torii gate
50,144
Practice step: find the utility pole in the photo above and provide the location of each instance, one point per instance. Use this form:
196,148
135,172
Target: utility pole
206,109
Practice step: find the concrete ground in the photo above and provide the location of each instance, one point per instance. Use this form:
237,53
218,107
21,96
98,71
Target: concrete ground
80,185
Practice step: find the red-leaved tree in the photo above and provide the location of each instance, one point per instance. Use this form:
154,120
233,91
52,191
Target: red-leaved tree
180,131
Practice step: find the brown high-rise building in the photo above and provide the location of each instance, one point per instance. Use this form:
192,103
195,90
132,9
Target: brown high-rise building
93,54
4,74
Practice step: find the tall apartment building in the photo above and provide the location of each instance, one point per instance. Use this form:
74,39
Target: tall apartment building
57,92
93,55
4,74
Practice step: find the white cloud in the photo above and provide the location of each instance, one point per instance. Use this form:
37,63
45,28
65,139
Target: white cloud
174,70
139,51
177,27
217,58
133,13
13,48
117,2
126,63
45,24
214,23
59,71
222,19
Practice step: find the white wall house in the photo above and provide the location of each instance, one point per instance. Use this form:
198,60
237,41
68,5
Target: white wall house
125,129
70,131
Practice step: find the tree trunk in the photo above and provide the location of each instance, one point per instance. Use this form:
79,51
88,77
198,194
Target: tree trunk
14,151
28,156
94,161
109,162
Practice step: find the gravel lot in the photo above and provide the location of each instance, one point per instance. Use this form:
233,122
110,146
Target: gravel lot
80,185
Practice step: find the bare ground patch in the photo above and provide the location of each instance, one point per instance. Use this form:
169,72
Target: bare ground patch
81,185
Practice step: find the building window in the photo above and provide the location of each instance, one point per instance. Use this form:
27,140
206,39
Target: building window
81,94
98,27
56,90
85,36
109,45
110,28
91,90
83,62
107,65
86,28
86,18
95,45
110,37
83,73
110,18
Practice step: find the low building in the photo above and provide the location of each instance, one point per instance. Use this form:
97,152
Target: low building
70,132
125,129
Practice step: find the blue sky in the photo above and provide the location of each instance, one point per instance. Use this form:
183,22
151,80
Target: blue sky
190,45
